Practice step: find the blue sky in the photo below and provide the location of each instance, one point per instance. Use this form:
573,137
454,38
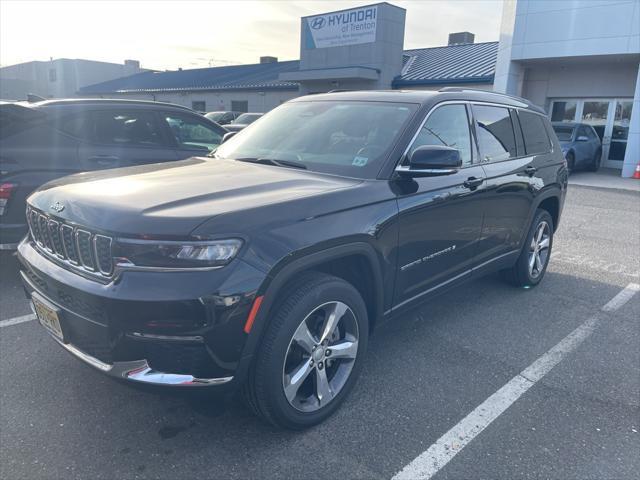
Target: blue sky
190,34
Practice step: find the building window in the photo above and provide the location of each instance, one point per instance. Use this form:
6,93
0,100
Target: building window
240,106
199,106
53,75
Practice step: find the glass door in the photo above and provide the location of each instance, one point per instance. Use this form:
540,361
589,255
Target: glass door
597,114
619,134
609,117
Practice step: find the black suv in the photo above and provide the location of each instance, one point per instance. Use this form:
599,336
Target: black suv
267,266
46,140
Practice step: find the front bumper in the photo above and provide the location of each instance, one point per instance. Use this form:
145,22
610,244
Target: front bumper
157,328
140,371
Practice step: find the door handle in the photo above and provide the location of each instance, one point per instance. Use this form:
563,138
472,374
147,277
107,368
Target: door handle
473,182
530,170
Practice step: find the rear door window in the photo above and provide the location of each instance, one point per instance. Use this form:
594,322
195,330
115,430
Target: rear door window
495,133
115,127
536,140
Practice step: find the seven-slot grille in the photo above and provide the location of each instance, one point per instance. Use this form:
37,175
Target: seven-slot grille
74,245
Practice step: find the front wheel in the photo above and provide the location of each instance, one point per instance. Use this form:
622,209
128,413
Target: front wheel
532,263
311,354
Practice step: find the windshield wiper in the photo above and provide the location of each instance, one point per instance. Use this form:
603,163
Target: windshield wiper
272,161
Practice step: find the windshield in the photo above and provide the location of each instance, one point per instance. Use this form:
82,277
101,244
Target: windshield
345,138
247,118
215,116
564,133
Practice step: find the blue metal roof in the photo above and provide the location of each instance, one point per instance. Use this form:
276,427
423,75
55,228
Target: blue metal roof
261,76
468,63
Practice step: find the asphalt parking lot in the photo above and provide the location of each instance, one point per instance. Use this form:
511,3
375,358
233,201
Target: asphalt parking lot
425,374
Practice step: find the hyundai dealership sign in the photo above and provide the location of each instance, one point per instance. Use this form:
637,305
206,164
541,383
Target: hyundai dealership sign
347,27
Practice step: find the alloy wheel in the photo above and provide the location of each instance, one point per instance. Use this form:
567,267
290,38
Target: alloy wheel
539,250
320,356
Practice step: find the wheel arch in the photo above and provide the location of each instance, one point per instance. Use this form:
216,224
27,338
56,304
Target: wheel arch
339,261
551,203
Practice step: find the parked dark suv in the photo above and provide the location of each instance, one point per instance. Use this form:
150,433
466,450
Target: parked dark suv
267,266
46,140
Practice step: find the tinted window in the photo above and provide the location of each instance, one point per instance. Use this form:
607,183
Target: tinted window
583,131
448,126
495,133
191,133
535,136
239,105
75,125
126,128
345,138
199,106
564,133
247,118
218,116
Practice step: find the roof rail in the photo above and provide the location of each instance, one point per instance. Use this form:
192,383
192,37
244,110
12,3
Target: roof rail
33,98
336,90
465,89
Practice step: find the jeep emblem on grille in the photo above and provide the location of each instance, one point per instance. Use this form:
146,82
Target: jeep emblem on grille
57,207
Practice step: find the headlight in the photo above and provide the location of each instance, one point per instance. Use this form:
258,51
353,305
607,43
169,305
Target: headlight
179,255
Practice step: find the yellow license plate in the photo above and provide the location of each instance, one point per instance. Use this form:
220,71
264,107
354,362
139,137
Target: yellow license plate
47,316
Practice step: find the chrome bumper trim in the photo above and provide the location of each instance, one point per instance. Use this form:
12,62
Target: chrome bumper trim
140,371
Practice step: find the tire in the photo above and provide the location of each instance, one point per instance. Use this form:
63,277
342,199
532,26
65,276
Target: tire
527,272
571,162
594,166
271,390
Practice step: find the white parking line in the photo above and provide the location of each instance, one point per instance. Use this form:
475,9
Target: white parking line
17,320
451,443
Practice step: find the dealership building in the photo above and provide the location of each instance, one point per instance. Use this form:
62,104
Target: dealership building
578,59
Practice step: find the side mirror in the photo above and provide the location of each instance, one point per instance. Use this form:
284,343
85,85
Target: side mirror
227,136
582,138
430,161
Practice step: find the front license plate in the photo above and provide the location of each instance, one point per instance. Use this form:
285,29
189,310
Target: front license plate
48,316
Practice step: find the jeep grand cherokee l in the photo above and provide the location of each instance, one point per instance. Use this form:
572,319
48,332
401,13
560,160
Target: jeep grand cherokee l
50,139
266,267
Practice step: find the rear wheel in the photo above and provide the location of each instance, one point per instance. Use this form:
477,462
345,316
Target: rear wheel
594,166
532,263
311,354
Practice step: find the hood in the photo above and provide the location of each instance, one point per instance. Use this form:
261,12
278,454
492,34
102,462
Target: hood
171,199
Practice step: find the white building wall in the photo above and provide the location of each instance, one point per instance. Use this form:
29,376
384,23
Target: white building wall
16,81
572,49
605,79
